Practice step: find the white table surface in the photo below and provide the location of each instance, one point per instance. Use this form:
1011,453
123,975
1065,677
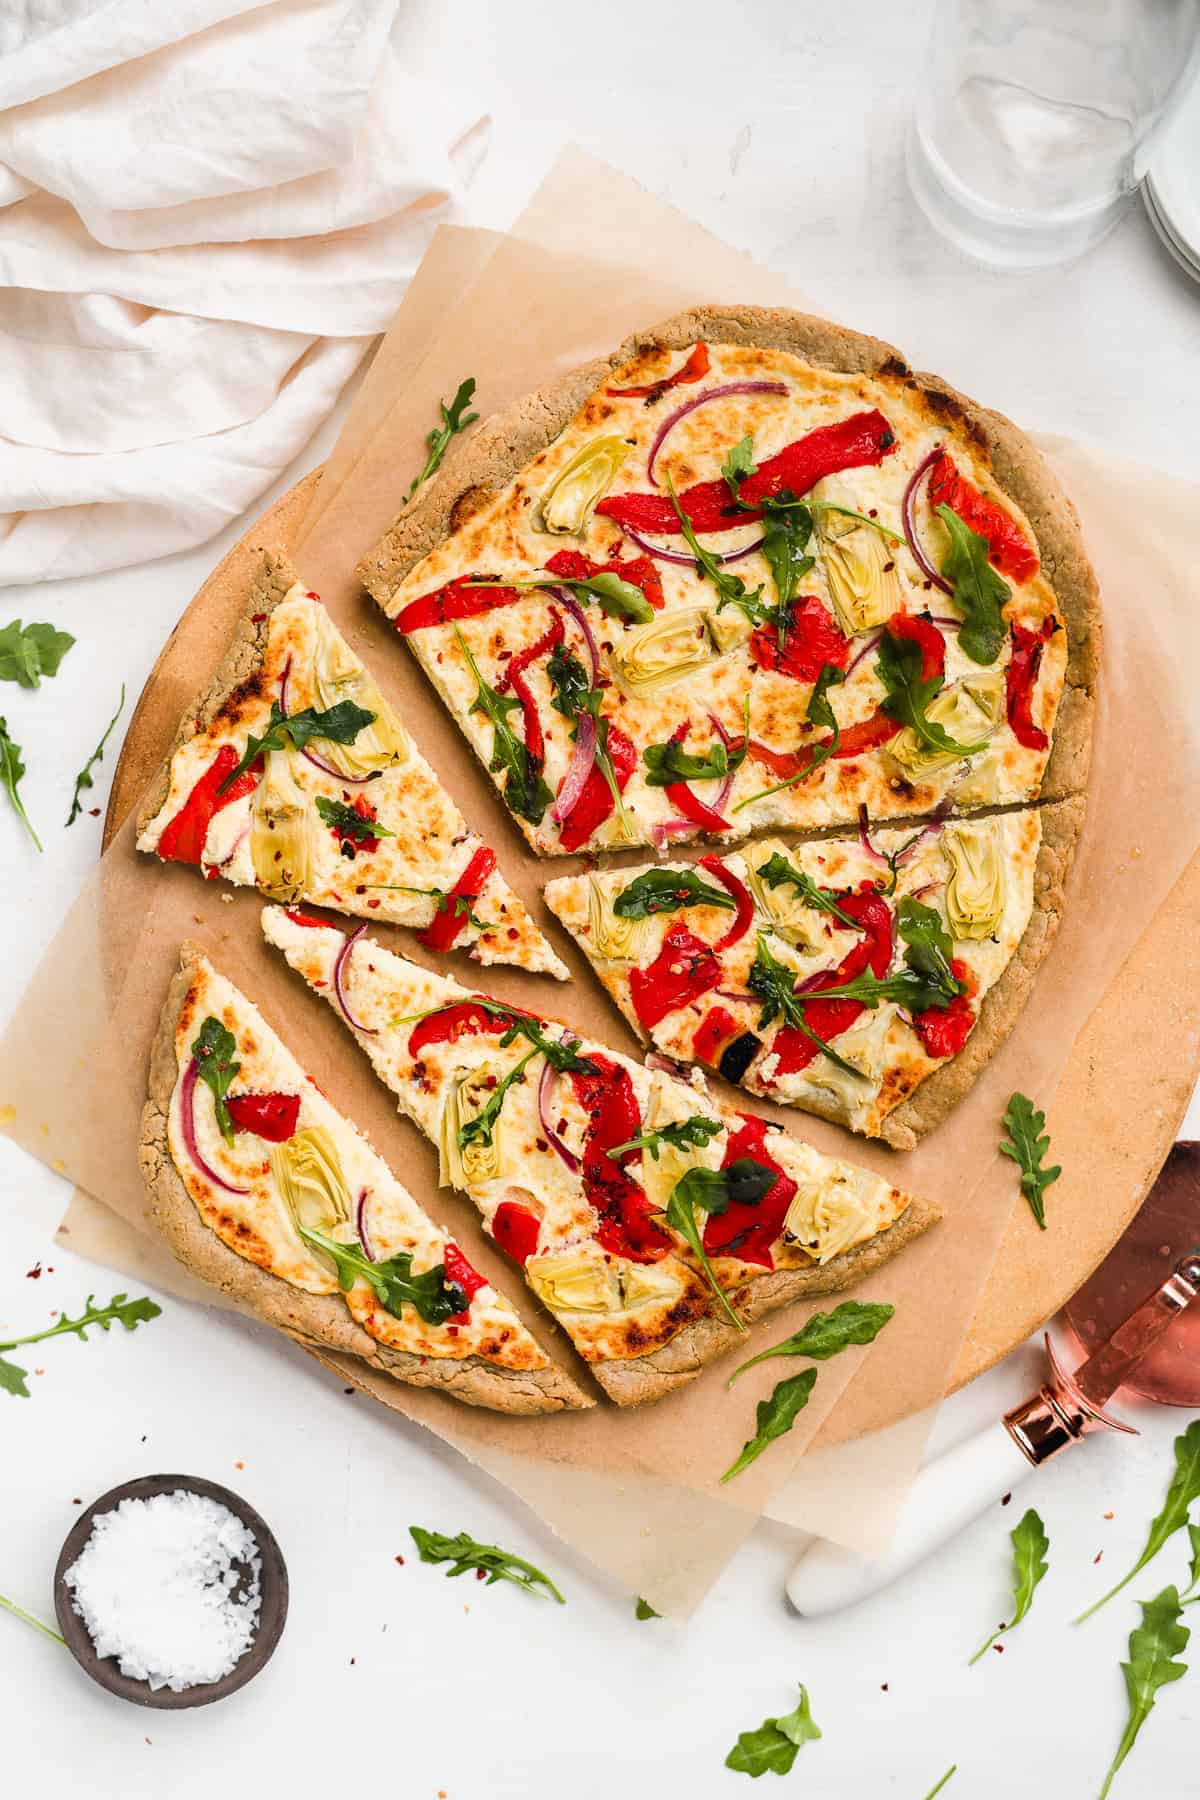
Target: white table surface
781,127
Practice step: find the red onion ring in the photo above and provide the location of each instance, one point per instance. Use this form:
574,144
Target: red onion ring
658,1064
866,650
187,1119
928,887
722,795
583,759
669,828
687,562
946,623
718,393
568,601
339,970
545,1090
360,1225
868,848
325,768
909,520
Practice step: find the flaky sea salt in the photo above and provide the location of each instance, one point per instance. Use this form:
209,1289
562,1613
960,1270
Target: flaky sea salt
169,1586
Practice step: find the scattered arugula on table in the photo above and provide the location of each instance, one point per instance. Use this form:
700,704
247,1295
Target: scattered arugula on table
83,781
909,694
350,824
12,772
1183,1490
465,1552
1027,1144
120,1309
668,890
979,592
682,1134
28,652
777,871
20,1613
1030,1546
853,1322
455,418
338,724
644,1610
1193,1532
818,712
937,1787
525,790
574,695
431,1294
1152,1647
711,1192
772,1748
213,1048
774,1418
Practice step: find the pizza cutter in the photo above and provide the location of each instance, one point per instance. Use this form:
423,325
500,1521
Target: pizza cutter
1135,1321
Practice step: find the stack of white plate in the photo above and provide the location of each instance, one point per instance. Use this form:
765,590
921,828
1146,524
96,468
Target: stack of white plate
1171,190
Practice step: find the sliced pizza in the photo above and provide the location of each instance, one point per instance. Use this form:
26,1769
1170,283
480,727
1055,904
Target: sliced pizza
750,572
263,1189
651,1224
836,975
294,775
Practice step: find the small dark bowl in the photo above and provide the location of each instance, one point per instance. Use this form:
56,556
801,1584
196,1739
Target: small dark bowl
272,1617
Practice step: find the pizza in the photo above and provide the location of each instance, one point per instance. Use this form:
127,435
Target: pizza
263,1189
652,1224
749,572
836,975
293,774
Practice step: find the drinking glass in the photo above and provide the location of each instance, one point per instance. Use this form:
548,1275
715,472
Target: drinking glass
1032,125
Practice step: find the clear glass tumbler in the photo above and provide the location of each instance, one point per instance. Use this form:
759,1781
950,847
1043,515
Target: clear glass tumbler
1031,127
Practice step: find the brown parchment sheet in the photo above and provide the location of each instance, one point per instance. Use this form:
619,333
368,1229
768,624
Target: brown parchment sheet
593,258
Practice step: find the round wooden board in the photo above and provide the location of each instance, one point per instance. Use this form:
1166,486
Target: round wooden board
1146,1007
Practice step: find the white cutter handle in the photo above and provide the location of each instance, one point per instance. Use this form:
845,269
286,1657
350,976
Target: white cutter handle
945,1497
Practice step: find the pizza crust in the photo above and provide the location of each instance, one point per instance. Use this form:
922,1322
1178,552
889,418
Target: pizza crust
312,1319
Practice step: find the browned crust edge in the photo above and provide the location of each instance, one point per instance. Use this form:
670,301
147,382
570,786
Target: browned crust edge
312,1319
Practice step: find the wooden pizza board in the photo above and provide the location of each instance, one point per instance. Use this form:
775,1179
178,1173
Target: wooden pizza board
1148,1007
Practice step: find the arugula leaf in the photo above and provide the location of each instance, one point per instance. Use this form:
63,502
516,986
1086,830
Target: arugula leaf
978,591
937,1787
818,712
431,1294
670,762
644,1610
853,1322
1183,1490
20,1613
787,528
1152,1645
739,465
213,1049
12,772
1027,1144
1030,1545
617,598
455,418
774,1418
684,1134
339,724
126,1312
465,1552
731,589
668,890
926,980
483,1125
462,904
27,652
525,791
711,1191
908,695
517,1025
561,1054
574,694
930,949
775,984
343,818
1193,1532
83,780
12,1379
774,1745
777,871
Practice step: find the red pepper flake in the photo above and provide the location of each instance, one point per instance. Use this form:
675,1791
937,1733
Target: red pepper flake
1108,1515
1005,1500
400,1560
257,618
348,1390
34,1274
481,1574
883,1687
77,1501
1097,1556
239,1465
999,1649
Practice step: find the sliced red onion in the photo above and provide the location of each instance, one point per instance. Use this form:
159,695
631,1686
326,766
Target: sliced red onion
908,518
865,650
545,1093
283,687
583,758
360,1225
665,829
187,1118
945,621
869,850
325,768
339,971
718,393
718,804
929,887
677,556
658,1064
568,601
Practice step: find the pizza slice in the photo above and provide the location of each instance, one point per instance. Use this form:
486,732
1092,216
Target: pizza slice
262,1188
294,775
651,1224
749,572
839,975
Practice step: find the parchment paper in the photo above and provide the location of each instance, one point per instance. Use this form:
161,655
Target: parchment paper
593,258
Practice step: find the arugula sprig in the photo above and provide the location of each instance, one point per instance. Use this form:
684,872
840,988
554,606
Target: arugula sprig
213,1048
937,1787
1030,1547
909,695
19,1612
1026,1145
455,418
83,780
338,724
12,773
432,1295
644,1610
774,1745
731,589
853,1322
774,982
1184,1489
616,597
1153,1645
574,695
693,1133
466,1552
774,1418
350,824
562,1054
711,1192
28,652
525,790
668,890
787,529
979,592
925,981
670,762
819,711
778,871
119,1310
462,905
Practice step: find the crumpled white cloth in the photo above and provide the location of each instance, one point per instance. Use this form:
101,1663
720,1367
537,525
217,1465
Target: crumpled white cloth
208,209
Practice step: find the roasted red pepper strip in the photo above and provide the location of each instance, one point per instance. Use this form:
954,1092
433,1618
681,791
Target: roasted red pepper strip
852,443
183,836
744,915
810,641
452,1022
694,369
945,1029
613,1114
269,1116
829,1018
573,565
925,633
516,1230
856,740
686,802
1020,680
595,803
302,918
1009,550
459,1270
715,1028
748,1232
684,968
514,677
462,598
449,919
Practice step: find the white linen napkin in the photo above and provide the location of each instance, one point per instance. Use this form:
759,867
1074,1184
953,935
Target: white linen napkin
207,211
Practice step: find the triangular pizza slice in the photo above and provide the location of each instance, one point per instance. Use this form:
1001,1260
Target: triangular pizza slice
650,1223
262,1188
294,775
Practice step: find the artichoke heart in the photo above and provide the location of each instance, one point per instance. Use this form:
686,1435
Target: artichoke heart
609,935
280,830
976,886
309,1178
860,567
728,628
667,650
574,1281
970,710
648,1284
833,1212
797,924
338,675
477,1161
863,1047
566,506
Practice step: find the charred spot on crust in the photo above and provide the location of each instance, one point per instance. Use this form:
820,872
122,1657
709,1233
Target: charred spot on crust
895,366
737,1056
471,501
685,1311
246,692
